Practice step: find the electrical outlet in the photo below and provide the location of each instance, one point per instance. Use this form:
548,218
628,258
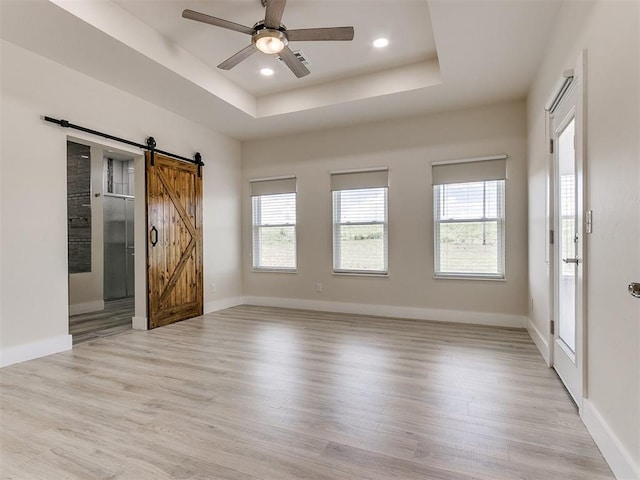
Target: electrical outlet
318,287
213,288
532,304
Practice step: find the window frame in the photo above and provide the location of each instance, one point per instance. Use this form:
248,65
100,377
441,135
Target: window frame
256,227
336,227
500,219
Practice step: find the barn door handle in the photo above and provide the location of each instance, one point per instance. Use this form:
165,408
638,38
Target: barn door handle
153,236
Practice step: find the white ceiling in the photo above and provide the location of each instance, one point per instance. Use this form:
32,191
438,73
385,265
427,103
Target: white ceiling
443,55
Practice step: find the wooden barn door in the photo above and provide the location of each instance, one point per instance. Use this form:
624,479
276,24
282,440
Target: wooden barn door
174,259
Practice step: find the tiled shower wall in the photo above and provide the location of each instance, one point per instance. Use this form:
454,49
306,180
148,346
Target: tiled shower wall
79,207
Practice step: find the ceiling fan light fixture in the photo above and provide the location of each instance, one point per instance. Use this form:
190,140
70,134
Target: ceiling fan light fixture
270,41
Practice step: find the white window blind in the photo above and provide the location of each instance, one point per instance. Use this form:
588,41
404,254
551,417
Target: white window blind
360,223
567,221
472,170
274,224
469,204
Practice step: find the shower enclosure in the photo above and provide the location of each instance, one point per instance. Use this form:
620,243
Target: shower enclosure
118,247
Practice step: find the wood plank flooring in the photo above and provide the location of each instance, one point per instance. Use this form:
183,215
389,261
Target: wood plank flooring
114,319
254,393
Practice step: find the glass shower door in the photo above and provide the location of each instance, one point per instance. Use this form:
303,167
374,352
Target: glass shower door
118,247
130,253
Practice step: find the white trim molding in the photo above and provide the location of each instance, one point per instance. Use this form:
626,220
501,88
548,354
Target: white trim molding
139,323
215,305
29,351
87,307
540,341
623,463
416,313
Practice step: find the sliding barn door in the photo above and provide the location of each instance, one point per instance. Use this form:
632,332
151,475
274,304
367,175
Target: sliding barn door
174,260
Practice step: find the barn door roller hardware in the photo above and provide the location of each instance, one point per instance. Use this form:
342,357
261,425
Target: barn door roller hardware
150,143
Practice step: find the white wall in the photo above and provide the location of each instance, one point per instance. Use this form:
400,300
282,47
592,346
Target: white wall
407,147
608,30
34,293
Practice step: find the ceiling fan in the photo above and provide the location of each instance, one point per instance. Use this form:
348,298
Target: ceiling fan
271,37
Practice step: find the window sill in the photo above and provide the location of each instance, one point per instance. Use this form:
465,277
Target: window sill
469,277
273,270
361,274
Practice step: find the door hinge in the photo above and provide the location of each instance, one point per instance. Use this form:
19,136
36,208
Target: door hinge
551,145
551,237
552,327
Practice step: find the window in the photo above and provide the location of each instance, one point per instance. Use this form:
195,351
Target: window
567,230
360,222
469,219
274,224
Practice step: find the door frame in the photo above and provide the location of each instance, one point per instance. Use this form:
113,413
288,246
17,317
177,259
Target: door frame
139,321
578,88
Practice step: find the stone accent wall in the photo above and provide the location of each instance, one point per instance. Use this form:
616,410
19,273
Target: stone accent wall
79,207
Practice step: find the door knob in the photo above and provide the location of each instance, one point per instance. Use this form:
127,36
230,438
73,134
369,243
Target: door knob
571,260
634,289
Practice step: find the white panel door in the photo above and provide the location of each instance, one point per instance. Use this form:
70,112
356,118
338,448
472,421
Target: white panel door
568,259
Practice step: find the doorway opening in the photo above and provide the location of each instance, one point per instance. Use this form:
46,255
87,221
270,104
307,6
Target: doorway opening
566,214
101,209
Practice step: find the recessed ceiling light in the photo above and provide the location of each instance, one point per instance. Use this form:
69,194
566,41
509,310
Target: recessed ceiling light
381,42
267,72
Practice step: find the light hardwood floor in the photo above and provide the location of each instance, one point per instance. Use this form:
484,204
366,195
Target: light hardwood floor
263,393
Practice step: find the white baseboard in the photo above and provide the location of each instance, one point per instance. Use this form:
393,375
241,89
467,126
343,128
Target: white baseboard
454,316
540,340
87,307
139,323
29,351
619,459
215,305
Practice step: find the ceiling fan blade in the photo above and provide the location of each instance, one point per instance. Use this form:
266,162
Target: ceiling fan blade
316,34
294,63
218,22
273,15
234,60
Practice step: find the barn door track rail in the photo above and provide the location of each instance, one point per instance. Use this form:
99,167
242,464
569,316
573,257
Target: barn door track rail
150,144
